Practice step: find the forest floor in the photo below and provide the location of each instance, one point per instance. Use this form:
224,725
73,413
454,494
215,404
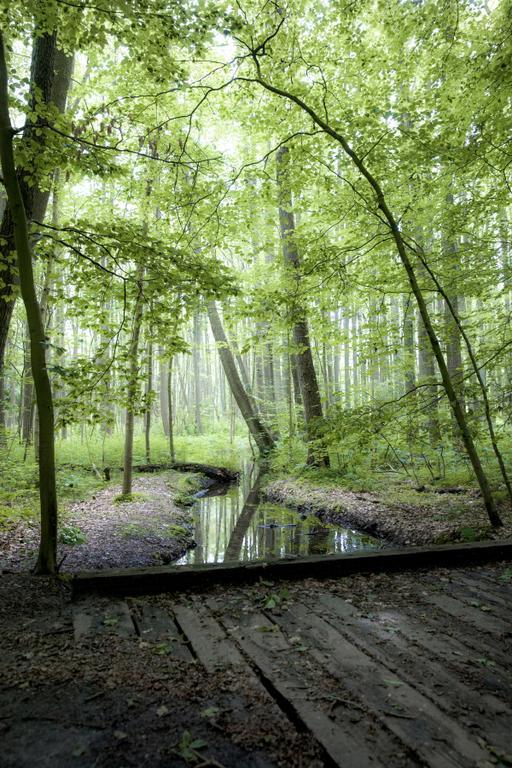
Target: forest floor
399,670
400,515
152,527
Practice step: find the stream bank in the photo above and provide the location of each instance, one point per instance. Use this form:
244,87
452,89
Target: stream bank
152,527
412,518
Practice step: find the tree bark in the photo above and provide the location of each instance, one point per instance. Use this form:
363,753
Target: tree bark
196,342
50,77
47,559
409,358
170,410
164,395
147,412
308,383
27,395
132,385
257,429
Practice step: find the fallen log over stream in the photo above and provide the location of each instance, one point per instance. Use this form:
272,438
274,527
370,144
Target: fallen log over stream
220,474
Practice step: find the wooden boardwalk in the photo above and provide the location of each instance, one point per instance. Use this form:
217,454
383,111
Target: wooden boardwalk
410,669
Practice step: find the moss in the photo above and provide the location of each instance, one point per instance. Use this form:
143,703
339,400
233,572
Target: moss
127,498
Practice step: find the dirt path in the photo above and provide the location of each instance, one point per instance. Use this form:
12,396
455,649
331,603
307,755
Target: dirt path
104,532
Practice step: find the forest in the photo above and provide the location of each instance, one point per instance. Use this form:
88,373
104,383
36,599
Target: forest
255,383
255,232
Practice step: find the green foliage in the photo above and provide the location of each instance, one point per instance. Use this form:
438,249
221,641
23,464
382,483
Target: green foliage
167,190
144,528
188,746
72,535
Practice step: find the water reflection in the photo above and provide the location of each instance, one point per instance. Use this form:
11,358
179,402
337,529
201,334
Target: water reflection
236,524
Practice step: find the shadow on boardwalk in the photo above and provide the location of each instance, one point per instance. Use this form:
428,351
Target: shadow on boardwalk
407,669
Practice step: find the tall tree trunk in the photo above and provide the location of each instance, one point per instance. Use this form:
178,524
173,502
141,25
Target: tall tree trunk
27,395
50,78
346,357
409,358
132,385
257,429
164,394
313,415
453,347
147,412
196,350
170,410
47,559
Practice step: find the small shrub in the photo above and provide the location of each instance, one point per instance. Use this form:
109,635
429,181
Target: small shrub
72,535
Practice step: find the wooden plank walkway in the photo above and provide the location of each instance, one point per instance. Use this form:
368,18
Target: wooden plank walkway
168,578
410,669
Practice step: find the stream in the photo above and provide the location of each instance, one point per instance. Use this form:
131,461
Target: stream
233,522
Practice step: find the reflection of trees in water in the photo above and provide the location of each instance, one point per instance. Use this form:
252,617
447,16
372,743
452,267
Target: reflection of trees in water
198,535
233,525
320,541
243,522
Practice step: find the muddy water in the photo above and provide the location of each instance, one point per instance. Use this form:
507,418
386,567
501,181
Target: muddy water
235,523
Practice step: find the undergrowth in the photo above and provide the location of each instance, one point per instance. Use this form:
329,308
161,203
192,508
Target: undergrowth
81,457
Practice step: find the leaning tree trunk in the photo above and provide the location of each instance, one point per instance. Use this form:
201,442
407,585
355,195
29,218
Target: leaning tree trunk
47,559
313,415
258,430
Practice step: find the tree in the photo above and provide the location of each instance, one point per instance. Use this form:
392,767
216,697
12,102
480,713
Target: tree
47,560
303,357
257,429
405,249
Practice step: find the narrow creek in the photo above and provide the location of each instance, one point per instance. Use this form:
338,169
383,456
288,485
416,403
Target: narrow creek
234,522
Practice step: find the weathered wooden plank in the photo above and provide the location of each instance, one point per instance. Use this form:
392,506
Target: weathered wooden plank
130,581
473,591
215,650
102,618
209,641
266,650
440,684
468,614
437,739
156,625
454,649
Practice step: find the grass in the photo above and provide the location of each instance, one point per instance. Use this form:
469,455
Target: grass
140,530
77,458
128,498
379,470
